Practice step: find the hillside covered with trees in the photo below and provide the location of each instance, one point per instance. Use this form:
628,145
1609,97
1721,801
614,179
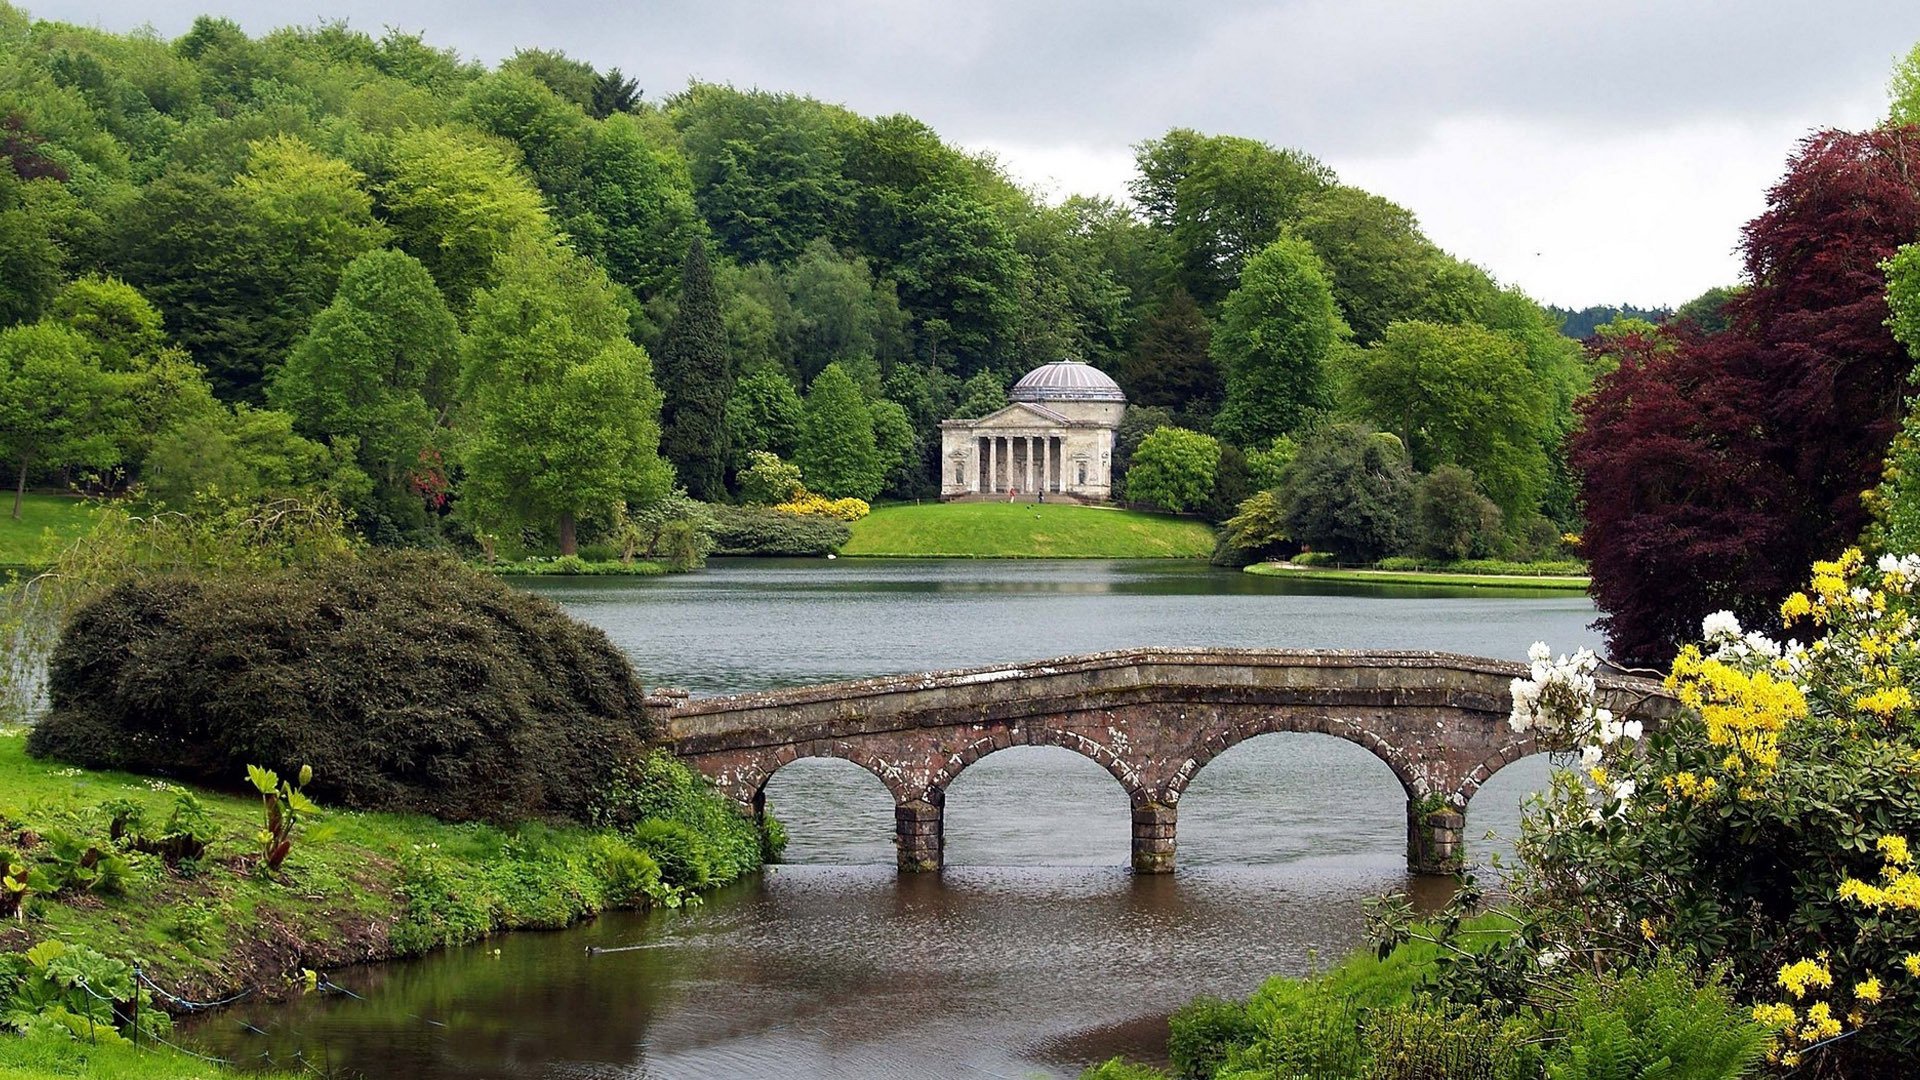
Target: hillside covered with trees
528,301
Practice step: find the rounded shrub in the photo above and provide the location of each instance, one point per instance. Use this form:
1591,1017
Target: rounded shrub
408,681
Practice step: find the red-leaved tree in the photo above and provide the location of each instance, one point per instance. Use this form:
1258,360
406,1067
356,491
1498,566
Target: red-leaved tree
1715,469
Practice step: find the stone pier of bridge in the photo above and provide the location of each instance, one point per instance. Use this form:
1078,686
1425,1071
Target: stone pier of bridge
1153,718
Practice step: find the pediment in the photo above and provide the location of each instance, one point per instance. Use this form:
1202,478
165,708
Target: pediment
1021,414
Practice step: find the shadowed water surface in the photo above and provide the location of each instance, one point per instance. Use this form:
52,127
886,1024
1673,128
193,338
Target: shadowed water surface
1035,952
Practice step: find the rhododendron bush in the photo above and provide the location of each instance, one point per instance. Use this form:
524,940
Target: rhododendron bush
1763,835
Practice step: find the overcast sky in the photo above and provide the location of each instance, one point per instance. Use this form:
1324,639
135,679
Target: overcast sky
1593,152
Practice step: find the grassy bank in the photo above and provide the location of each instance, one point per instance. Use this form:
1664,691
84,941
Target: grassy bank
998,530
46,523
356,887
1560,582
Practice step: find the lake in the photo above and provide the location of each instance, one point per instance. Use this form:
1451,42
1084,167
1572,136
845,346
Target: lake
1036,952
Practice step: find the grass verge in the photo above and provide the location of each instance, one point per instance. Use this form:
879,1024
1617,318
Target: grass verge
1024,530
1556,582
46,523
356,887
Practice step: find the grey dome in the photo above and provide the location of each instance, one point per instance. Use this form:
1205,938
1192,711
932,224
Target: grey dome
1066,380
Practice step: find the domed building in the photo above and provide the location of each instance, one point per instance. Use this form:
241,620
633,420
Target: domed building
1055,438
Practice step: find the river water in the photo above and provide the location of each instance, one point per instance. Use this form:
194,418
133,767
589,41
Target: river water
1035,952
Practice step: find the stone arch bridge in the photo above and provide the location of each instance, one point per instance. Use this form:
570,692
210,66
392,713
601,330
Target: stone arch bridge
1151,717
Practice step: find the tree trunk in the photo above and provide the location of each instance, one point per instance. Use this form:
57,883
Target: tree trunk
20,488
567,544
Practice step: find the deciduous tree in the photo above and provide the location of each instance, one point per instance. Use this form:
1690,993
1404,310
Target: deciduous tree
1272,342
565,416
838,455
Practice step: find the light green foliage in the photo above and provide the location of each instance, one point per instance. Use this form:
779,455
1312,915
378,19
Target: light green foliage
1903,90
1896,500
377,367
458,204
282,803
1117,1069
838,455
315,215
241,452
1219,200
837,308
768,481
1203,1032
1646,1025
30,254
1275,331
1267,465
1461,395
66,990
1257,531
563,406
1173,470
57,407
1349,491
764,414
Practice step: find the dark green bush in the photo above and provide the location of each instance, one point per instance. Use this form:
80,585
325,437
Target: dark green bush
408,681
756,530
1203,1031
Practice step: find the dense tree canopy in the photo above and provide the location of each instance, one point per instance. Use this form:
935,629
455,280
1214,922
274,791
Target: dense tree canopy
238,187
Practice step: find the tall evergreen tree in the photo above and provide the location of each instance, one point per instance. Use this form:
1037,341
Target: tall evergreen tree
1170,365
698,381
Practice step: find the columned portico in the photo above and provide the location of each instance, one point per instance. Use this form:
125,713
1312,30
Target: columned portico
1055,438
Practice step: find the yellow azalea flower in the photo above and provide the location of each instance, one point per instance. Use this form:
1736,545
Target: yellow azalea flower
1868,991
1911,962
1821,1023
1797,606
1894,850
1801,974
1777,1015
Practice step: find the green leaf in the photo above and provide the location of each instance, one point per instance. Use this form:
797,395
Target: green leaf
266,780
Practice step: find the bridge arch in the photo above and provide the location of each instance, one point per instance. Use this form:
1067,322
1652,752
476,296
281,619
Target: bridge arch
1212,746
1152,718
1040,735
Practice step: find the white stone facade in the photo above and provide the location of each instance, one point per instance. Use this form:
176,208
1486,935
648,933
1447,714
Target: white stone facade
1055,438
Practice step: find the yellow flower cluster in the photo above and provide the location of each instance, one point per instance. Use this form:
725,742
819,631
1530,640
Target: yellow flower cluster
1688,786
1901,891
807,503
1744,712
1798,976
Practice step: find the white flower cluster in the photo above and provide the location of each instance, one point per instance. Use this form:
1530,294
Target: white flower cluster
1900,572
1559,697
1725,641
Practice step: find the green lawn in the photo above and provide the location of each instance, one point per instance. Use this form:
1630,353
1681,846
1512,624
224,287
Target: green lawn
997,530
1568,583
46,522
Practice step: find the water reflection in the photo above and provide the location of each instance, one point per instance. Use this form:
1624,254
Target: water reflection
1035,952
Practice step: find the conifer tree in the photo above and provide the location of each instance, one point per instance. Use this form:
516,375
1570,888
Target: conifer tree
697,380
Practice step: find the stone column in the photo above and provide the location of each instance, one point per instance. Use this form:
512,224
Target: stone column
1153,841
992,443
1026,486
918,835
1045,443
1435,838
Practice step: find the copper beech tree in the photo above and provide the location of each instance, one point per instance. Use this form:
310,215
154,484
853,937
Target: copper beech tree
1715,467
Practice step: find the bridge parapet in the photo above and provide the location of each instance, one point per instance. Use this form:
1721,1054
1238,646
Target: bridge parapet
1152,717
